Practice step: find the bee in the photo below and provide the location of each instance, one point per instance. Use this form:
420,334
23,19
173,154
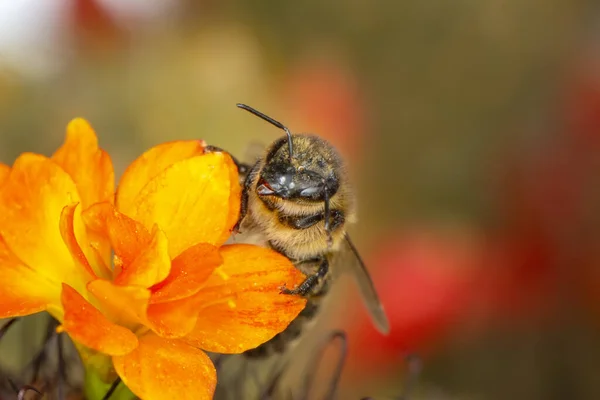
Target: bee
298,198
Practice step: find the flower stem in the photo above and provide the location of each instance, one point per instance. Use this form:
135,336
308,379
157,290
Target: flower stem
96,389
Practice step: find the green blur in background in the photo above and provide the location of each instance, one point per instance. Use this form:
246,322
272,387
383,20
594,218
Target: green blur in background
461,123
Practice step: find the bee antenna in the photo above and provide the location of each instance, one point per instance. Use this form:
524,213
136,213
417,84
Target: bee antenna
271,120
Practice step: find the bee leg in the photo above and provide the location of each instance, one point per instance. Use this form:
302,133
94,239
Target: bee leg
311,282
243,211
244,199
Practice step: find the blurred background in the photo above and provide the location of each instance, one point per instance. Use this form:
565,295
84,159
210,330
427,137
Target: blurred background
471,131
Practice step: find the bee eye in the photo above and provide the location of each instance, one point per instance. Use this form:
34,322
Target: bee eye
310,191
264,189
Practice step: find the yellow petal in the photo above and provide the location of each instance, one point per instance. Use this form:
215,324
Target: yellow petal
22,290
234,199
151,266
172,312
67,231
151,164
252,276
189,201
167,369
127,237
173,319
97,250
188,272
31,202
90,167
124,305
86,325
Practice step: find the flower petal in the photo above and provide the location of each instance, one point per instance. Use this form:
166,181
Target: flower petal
124,305
67,231
173,311
189,201
188,272
88,326
253,276
92,171
152,264
31,202
167,369
173,319
4,171
90,167
151,164
127,237
22,290
98,252
234,200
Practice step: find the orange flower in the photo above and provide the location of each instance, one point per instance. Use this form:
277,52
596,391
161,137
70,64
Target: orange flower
172,287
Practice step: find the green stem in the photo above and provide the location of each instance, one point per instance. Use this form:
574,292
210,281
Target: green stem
96,389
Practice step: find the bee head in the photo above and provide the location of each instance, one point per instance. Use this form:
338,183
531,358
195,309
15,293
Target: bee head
307,175
297,166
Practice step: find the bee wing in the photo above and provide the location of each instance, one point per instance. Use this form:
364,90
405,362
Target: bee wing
350,261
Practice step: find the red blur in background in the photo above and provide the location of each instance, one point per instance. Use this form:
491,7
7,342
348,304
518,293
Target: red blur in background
437,283
323,97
